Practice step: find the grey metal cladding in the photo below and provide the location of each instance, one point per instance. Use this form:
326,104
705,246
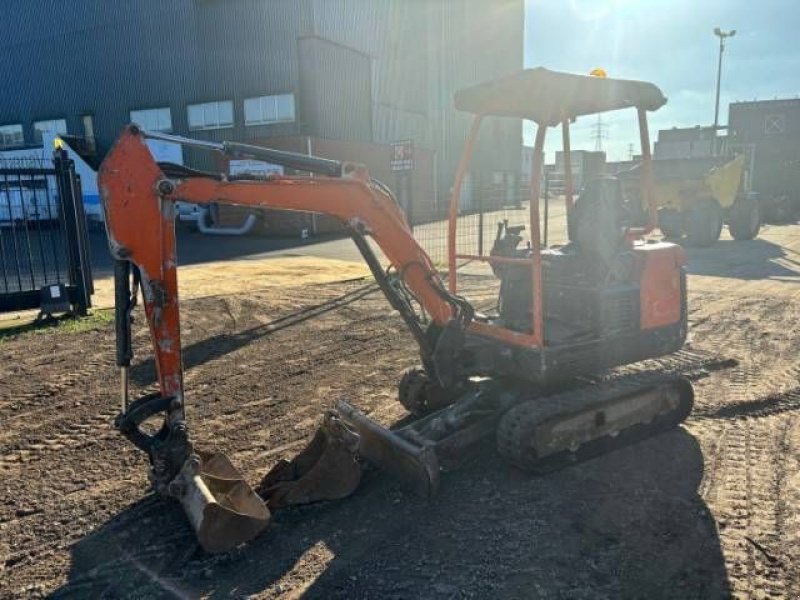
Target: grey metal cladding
374,70
63,59
335,90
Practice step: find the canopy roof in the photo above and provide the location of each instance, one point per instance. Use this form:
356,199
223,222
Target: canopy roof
548,97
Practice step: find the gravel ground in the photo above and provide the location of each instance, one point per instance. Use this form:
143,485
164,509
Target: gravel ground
710,510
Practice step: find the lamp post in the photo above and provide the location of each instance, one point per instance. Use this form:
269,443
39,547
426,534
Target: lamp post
721,35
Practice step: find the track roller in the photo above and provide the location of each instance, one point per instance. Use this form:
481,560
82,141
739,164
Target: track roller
552,432
420,395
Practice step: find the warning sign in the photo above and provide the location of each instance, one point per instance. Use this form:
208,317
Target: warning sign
402,156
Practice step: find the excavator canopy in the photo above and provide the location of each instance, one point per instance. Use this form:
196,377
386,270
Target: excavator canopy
549,97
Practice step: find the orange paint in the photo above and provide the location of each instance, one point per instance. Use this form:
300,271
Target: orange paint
660,292
455,198
141,227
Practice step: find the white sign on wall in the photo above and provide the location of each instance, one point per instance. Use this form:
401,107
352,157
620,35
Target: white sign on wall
257,168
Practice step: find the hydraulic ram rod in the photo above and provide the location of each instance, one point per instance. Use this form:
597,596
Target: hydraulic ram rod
291,160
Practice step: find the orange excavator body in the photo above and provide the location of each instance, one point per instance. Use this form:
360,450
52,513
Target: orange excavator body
473,365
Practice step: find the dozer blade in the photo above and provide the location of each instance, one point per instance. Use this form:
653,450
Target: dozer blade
221,506
327,469
413,462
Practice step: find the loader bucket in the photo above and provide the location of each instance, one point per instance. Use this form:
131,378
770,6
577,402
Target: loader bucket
327,469
221,506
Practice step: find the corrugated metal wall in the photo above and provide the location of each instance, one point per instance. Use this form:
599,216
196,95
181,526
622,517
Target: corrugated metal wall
106,58
425,51
777,150
103,57
335,90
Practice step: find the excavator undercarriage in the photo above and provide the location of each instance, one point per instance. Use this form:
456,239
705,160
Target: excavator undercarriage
550,375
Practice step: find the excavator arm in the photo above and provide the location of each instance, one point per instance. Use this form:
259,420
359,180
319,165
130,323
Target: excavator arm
139,201
139,198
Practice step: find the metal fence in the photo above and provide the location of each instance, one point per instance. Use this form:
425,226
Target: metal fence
43,239
477,221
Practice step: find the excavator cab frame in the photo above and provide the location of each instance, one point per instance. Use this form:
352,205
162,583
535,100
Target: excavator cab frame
549,99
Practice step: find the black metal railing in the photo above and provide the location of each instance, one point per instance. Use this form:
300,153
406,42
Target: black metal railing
43,235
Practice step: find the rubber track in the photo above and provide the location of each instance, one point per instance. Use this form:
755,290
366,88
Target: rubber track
692,364
517,425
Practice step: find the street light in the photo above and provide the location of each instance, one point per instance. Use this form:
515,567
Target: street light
721,35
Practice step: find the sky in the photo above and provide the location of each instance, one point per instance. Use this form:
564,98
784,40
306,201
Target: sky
670,43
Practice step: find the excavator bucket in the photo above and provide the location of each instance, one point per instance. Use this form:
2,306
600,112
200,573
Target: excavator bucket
327,469
221,506
330,467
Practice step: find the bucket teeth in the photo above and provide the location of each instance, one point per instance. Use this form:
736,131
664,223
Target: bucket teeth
221,506
327,469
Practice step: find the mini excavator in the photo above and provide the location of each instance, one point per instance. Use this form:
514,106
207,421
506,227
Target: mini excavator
525,375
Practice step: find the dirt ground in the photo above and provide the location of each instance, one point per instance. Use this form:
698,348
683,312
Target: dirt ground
710,510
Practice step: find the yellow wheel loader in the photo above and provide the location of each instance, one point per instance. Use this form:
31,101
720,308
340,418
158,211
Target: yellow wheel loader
697,196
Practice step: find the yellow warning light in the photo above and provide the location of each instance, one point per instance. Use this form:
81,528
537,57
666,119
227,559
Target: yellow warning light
58,143
598,72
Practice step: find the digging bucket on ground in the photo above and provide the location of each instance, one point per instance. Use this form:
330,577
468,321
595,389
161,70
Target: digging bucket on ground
221,506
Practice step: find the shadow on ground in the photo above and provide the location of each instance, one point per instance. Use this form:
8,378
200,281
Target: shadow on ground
749,260
196,248
630,524
143,373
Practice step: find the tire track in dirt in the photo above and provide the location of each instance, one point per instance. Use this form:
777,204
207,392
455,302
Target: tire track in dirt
743,484
37,422
66,437
744,418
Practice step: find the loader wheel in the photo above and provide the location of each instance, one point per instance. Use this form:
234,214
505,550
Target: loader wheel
419,395
670,222
744,221
704,223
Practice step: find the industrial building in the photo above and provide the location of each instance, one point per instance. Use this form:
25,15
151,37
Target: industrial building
770,131
686,142
349,75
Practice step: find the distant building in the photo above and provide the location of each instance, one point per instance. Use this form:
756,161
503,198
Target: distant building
361,71
584,165
684,142
770,131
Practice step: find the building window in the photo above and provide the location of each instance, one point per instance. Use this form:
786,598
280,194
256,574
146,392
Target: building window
11,135
52,125
211,115
153,119
774,124
269,109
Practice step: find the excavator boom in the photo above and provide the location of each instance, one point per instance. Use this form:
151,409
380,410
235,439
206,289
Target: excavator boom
139,202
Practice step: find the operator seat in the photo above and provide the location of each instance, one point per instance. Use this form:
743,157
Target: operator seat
597,224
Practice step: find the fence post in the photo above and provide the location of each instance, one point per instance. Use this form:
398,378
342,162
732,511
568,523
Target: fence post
75,226
404,196
546,207
477,186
